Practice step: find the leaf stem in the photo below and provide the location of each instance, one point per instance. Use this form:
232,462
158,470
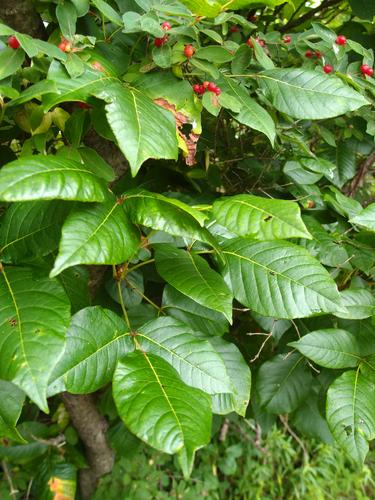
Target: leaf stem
137,266
144,297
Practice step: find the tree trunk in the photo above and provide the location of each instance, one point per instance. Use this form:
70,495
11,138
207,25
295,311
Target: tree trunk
21,16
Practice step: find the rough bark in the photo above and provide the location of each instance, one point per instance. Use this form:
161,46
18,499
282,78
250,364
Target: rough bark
22,16
91,427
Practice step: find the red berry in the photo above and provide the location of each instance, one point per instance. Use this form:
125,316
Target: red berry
13,43
217,90
364,68
159,42
211,87
308,53
166,26
234,29
202,90
206,84
327,68
189,51
370,72
341,40
65,45
287,39
196,88
249,42
262,43
318,54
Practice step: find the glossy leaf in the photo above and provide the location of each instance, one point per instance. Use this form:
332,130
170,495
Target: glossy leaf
47,177
96,339
160,409
278,279
166,214
356,303
366,218
31,229
283,383
351,413
331,348
96,234
260,218
34,315
199,318
11,402
195,360
305,94
136,123
10,61
191,275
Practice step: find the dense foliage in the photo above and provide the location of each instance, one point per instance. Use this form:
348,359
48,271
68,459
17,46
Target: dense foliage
238,231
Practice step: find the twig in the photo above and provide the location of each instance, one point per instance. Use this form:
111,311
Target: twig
27,497
269,335
284,421
296,22
13,492
224,430
358,180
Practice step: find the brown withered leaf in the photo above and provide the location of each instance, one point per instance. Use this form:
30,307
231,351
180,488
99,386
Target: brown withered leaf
181,119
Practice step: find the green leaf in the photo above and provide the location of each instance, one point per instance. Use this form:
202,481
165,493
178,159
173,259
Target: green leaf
363,9
346,163
215,54
96,234
82,6
31,229
207,8
366,218
261,56
75,281
34,46
192,276
136,122
260,218
356,303
160,409
108,12
331,348
42,177
198,317
34,315
96,339
11,402
195,360
278,279
166,214
34,92
67,18
251,114
240,376
10,61
283,383
351,413
308,94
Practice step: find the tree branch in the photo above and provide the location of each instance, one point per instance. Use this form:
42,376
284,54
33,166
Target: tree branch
318,10
22,16
358,180
91,427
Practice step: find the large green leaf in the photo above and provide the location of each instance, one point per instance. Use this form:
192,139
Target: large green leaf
160,409
283,383
11,402
31,229
96,234
251,114
366,218
166,214
44,177
191,275
199,318
136,122
96,339
260,218
351,413
356,303
331,348
34,315
278,279
195,360
308,94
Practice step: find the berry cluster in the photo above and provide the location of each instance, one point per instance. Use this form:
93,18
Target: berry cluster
366,70
259,41
210,86
65,45
309,54
13,43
